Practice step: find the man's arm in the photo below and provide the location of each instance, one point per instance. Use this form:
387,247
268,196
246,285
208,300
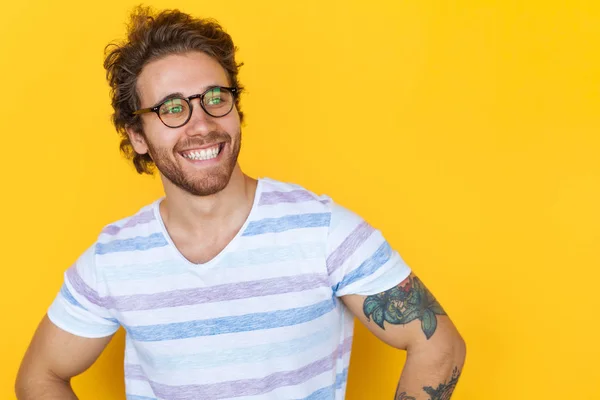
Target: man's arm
408,317
52,359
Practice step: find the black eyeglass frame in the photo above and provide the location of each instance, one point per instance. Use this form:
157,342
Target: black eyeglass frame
188,100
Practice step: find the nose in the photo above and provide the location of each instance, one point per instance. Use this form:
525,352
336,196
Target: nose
200,122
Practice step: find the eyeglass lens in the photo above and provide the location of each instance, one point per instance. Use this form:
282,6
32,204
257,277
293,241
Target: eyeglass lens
216,102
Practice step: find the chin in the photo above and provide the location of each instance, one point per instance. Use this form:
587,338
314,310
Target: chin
207,185
208,188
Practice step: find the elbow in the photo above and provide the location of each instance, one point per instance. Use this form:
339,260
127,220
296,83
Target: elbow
31,383
453,348
459,351
451,355
20,386
454,351
449,350
36,387
24,383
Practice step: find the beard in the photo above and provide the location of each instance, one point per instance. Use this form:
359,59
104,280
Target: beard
203,183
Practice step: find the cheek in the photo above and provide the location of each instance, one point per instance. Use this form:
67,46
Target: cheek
160,139
232,126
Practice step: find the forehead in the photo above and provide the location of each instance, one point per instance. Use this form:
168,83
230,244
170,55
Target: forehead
187,73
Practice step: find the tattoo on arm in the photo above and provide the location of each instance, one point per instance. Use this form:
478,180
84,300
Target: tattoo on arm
404,303
443,392
403,396
445,389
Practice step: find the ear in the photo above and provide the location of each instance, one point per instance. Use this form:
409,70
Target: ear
138,141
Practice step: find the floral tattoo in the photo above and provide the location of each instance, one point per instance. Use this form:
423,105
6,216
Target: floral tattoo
408,301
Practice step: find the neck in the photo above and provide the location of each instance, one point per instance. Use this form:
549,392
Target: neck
201,213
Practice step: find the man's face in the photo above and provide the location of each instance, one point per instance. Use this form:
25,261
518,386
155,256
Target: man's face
200,156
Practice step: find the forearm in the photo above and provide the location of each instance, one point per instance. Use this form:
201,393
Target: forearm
431,375
44,389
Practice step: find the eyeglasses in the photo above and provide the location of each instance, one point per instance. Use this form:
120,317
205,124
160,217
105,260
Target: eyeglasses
216,101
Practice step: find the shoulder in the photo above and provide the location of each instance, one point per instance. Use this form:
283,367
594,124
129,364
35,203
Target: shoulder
83,275
142,216
132,231
289,197
277,192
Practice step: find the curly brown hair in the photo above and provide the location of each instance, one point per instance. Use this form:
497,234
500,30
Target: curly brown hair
152,35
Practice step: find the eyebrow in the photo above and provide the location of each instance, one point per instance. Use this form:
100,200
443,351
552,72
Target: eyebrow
169,97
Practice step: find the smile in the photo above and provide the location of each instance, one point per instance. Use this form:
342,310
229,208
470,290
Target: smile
203,154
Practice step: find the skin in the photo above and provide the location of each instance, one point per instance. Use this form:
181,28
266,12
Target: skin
206,204
200,226
435,350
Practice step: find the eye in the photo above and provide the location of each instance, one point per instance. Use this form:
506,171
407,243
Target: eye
217,97
174,106
172,110
213,100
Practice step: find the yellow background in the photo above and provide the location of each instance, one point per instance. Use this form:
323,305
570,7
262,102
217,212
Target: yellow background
467,131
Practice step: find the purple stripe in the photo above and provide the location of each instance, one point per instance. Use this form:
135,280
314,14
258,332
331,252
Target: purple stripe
295,196
248,387
135,372
225,292
82,288
141,218
346,346
185,297
348,246
111,230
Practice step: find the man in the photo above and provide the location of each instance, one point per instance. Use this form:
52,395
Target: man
228,287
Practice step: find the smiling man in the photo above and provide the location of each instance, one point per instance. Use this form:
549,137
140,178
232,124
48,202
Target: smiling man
229,287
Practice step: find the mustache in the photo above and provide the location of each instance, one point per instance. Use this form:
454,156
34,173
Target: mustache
210,138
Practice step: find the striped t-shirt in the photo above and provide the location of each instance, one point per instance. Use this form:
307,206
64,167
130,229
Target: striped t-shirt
261,320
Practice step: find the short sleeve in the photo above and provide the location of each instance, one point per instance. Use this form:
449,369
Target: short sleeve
78,308
359,259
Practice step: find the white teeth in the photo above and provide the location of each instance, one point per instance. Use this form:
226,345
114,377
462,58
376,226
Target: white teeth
204,154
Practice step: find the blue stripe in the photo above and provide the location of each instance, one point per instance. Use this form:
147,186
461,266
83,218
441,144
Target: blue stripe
131,244
275,225
370,265
64,291
241,323
341,379
134,397
238,259
237,355
326,393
